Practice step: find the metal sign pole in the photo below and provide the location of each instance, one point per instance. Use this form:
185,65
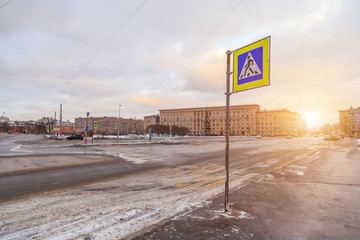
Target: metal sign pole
251,66
60,119
118,126
92,140
227,136
86,127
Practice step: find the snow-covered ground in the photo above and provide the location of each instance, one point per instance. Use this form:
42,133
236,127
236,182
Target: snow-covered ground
112,209
116,208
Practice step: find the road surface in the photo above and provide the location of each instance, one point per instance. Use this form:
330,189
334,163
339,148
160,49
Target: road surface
16,184
110,191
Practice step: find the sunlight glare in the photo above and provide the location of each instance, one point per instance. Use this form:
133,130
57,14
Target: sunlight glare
312,119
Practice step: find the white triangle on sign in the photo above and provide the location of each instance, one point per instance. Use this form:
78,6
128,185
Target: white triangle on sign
250,68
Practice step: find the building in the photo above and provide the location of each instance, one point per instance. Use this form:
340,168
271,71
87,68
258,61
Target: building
244,120
280,122
350,122
66,127
5,119
24,127
108,125
151,120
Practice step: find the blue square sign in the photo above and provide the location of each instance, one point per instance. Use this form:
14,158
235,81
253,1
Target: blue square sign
251,65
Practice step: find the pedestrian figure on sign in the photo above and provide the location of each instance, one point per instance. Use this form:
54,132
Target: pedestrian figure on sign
248,65
250,68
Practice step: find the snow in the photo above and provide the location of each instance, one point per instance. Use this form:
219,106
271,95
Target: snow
119,207
232,214
269,176
111,209
16,148
299,173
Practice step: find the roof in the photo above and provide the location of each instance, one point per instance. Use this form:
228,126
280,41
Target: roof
187,109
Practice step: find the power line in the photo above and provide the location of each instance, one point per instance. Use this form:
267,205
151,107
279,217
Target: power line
209,34
214,29
5,4
108,40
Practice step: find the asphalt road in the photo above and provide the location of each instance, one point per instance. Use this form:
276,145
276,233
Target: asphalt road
21,184
281,189
312,197
256,157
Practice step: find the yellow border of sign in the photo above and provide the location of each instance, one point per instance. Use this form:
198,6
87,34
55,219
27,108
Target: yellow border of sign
265,43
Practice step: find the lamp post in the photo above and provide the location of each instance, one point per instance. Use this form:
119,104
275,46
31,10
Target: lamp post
86,127
118,126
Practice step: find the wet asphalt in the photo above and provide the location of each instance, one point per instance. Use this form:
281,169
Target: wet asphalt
309,198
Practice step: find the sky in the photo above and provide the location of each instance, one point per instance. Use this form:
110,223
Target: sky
146,55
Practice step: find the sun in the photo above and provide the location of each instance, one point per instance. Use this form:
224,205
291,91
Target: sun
312,119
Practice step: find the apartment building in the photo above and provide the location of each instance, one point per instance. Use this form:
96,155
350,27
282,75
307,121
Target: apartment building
151,120
280,122
66,127
244,120
108,125
350,122
5,119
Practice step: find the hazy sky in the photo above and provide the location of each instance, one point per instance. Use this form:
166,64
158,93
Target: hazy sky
93,55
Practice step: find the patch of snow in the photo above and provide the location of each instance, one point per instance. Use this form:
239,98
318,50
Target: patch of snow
232,214
181,208
299,173
269,176
16,148
134,158
243,215
300,167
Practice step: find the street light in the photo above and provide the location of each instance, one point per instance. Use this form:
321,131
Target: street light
118,126
86,127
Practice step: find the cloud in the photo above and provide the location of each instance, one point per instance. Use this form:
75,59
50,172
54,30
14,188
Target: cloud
172,54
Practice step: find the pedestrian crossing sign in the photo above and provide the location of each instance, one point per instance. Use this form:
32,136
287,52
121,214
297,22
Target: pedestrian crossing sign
252,66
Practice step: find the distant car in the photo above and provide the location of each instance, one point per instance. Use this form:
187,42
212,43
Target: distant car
289,137
76,136
258,137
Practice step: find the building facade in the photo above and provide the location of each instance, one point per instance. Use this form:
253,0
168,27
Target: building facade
108,125
245,120
242,120
280,122
24,127
350,122
3,118
66,127
151,120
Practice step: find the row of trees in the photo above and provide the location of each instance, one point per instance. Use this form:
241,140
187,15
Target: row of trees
166,129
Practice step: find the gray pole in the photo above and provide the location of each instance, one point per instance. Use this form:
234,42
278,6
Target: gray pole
60,119
227,146
87,117
118,125
170,126
92,139
54,125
